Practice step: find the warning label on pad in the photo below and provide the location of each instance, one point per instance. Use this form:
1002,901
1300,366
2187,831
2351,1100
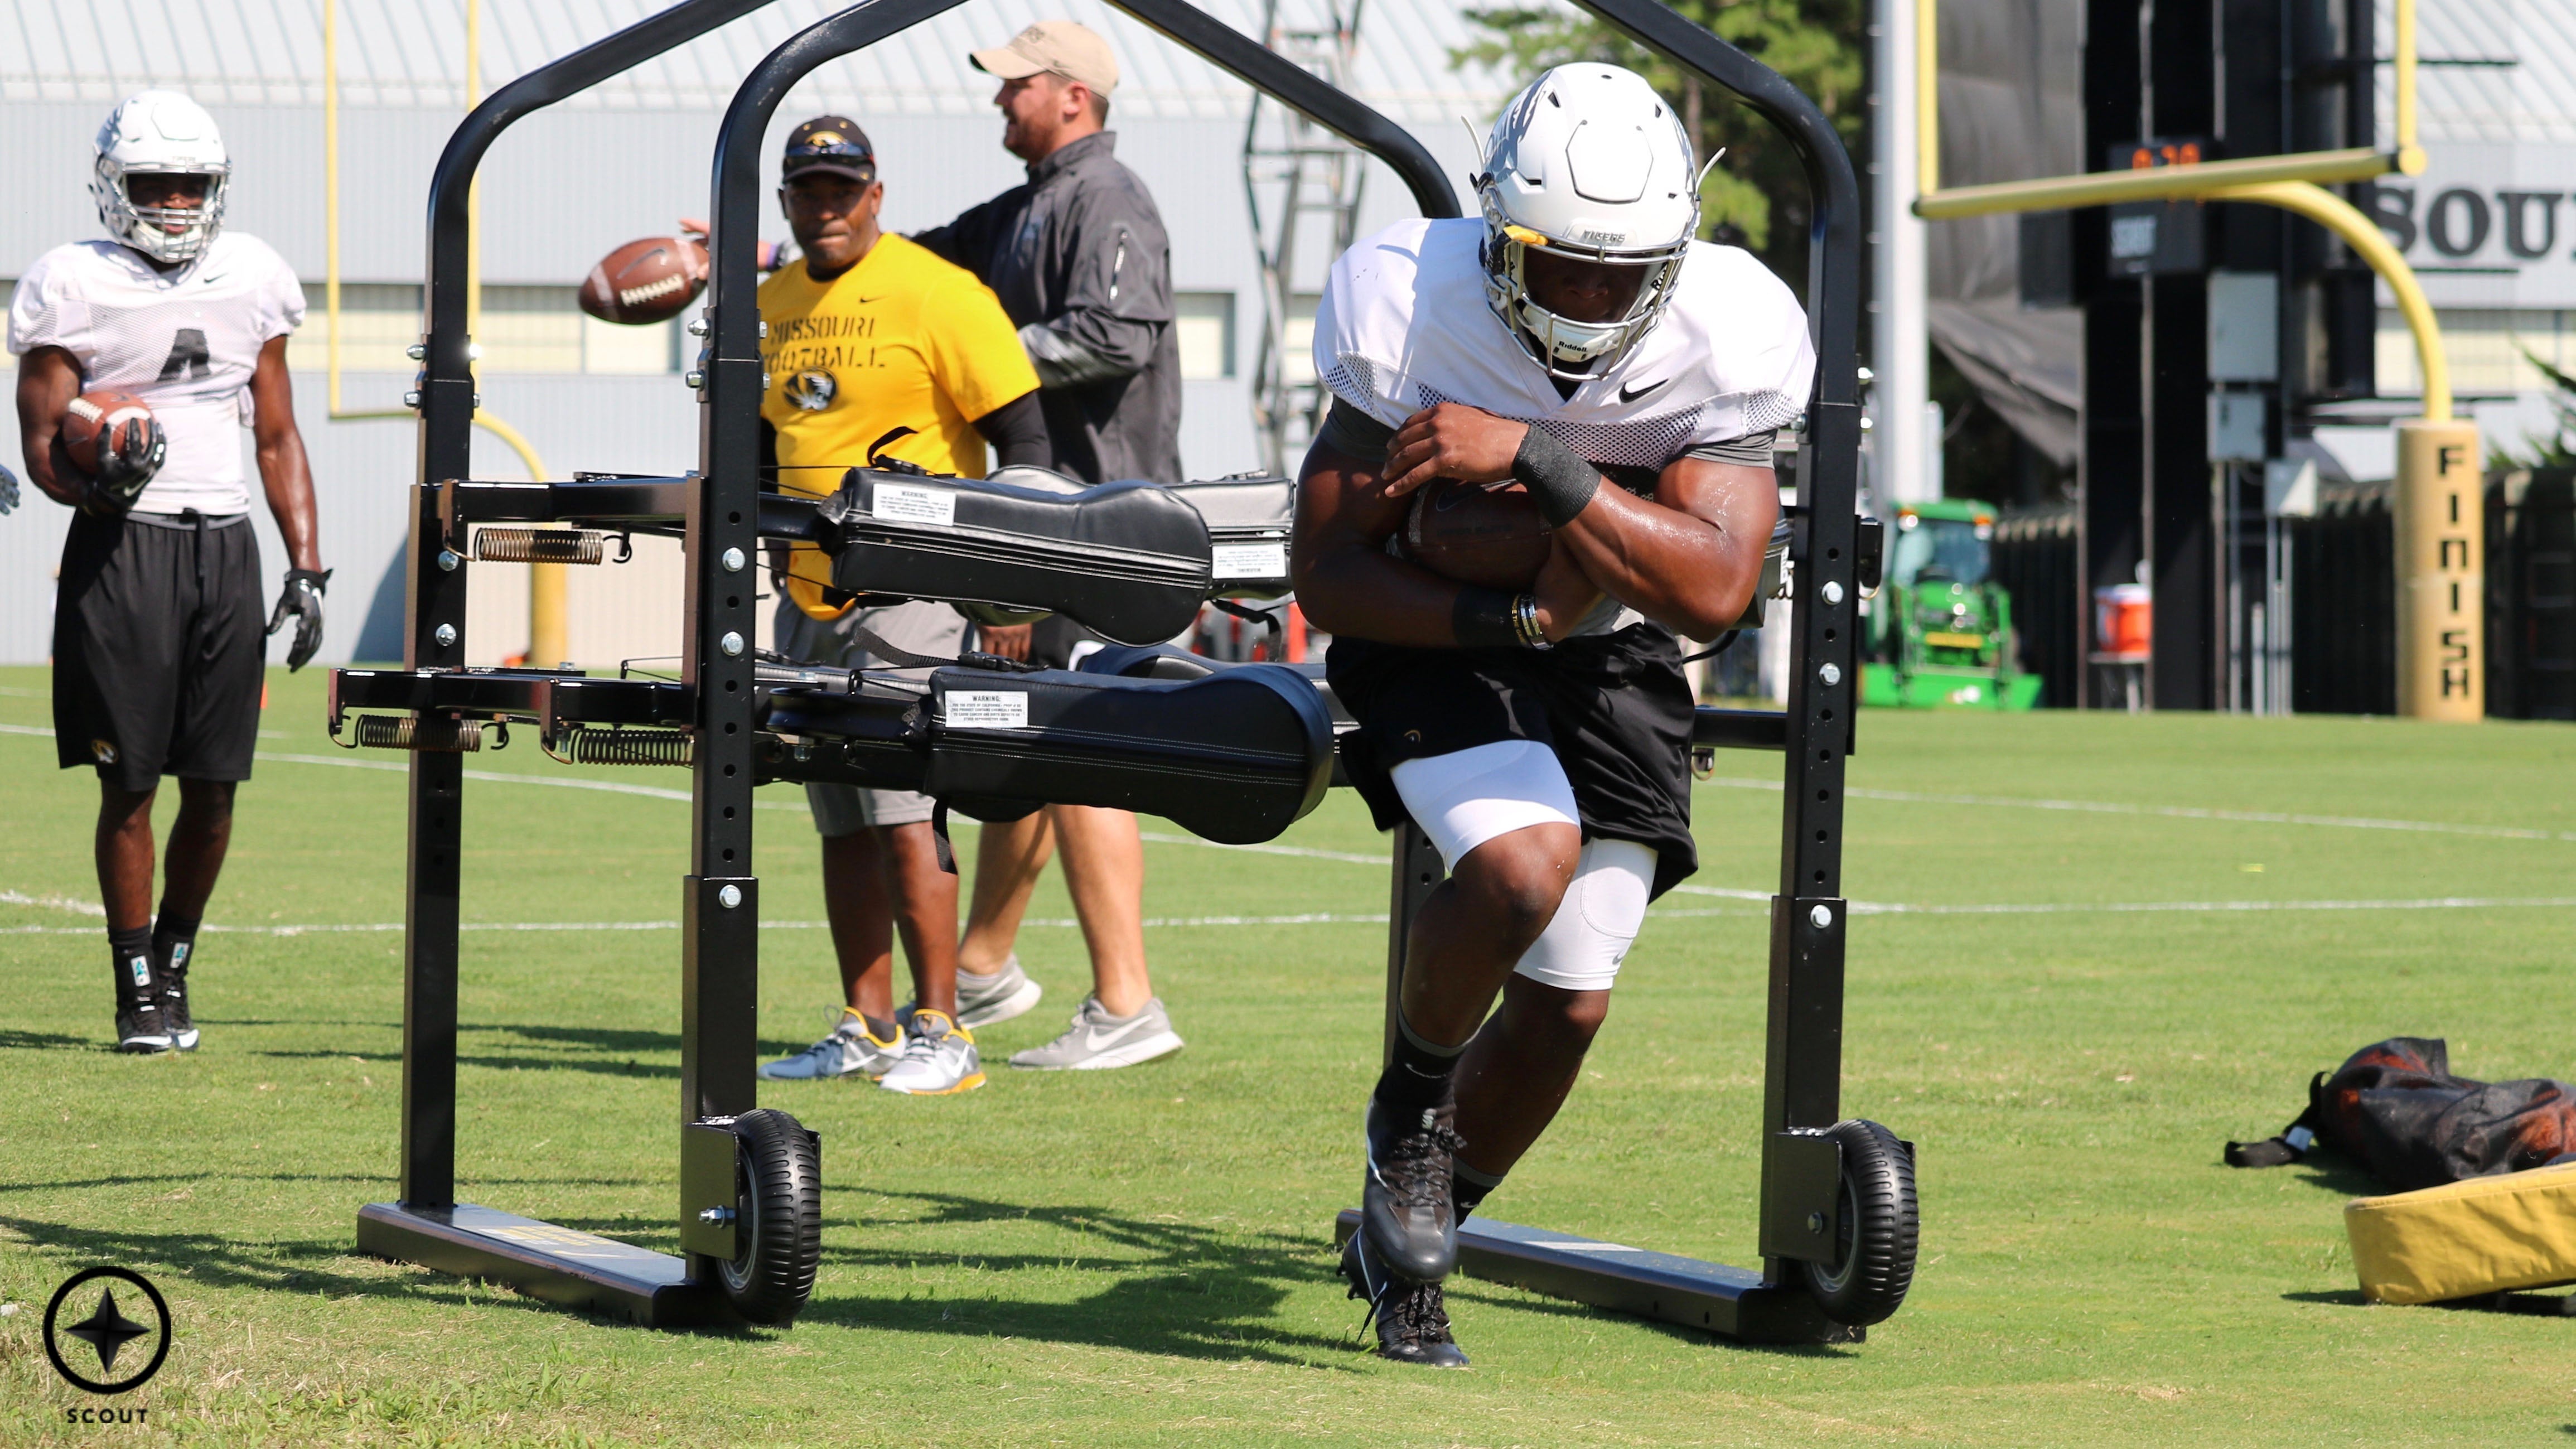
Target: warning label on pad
907,503
988,709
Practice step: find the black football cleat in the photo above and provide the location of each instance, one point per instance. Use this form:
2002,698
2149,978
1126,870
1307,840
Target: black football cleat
141,1030
174,999
1405,1211
1412,1319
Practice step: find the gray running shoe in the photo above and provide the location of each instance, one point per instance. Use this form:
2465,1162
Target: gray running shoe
939,1060
1097,1041
984,1000
848,1050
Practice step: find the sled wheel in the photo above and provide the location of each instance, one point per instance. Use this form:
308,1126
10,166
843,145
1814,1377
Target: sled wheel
778,1223
1874,1236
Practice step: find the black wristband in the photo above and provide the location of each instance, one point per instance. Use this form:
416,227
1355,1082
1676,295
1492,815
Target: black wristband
1482,619
1561,482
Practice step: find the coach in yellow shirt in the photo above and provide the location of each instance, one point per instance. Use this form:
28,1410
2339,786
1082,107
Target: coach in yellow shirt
871,335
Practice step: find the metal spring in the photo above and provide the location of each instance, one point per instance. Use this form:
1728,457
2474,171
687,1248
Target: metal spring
581,746
539,545
410,732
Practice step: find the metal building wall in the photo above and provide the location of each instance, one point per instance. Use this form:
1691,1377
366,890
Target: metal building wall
569,183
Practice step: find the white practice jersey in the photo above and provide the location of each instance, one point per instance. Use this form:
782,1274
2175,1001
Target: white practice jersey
1404,325
186,342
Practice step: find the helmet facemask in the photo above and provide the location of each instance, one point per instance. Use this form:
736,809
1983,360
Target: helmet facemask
146,228
1586,164
1571,350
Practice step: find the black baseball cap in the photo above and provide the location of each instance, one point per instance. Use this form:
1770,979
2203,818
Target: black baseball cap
833,144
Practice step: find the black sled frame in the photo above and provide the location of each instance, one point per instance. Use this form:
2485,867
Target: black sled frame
710,714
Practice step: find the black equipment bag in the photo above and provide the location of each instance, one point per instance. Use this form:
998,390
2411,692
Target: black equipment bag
1249,517
2395,1109
1130,561
1236,757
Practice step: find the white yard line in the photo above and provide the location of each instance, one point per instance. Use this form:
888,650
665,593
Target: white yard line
2089,807
1337,918
1315,918
1299,850
2181,812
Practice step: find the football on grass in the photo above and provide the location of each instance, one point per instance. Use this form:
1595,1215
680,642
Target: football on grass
645,281
107,418
1477,533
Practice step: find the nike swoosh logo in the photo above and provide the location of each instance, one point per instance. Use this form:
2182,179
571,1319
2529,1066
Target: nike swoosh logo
863,301
1631,394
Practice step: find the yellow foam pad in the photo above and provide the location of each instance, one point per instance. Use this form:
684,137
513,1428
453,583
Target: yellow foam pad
2462,1239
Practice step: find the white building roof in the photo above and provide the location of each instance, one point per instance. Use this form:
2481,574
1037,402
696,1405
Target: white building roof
400,55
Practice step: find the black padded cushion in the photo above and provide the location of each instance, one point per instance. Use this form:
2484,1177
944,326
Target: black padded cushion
1236,757
1248,521
1130,561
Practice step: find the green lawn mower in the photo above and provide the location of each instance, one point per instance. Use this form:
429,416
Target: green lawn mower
1940,633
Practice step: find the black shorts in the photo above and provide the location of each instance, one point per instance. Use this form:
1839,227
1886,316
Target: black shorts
158,649
1615,708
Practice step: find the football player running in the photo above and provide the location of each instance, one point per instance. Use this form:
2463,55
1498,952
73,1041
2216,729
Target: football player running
157,638
1579,341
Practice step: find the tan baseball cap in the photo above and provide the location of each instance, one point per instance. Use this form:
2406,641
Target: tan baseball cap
1069,50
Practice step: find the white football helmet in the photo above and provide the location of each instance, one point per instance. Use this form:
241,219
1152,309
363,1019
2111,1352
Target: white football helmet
1589,163
159,132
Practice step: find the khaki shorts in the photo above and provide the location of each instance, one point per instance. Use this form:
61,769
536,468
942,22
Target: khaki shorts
919,628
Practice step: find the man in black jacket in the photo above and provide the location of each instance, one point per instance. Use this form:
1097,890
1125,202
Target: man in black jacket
1079,258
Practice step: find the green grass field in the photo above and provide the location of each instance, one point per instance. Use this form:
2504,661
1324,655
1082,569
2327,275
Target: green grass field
1141,1257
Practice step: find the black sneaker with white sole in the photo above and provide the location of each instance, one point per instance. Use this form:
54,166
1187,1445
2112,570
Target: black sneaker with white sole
1405,1211
1412,1319
141,1027
142,1030
174,998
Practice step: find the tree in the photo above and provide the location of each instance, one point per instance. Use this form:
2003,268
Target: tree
2554,450
1759,189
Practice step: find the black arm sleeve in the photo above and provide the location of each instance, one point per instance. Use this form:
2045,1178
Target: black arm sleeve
1017,431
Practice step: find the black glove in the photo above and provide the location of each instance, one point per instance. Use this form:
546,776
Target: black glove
124,471
301,598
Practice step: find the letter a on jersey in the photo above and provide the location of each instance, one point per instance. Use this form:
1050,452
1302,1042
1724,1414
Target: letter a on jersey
189,357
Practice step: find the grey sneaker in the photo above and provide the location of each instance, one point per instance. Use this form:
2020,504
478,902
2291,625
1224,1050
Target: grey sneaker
939,1059
984,1000
1097,1041
848,1050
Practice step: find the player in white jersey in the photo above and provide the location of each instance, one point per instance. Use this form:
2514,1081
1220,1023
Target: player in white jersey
1578,340
157,638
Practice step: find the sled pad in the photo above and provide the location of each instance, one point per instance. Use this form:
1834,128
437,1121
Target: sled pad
2466,1239
1128,560
1248,521
1236,757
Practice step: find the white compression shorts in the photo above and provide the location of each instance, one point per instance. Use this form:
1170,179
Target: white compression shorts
1467,797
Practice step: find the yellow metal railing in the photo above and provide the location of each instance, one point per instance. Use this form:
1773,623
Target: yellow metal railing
2294,183
2440,506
